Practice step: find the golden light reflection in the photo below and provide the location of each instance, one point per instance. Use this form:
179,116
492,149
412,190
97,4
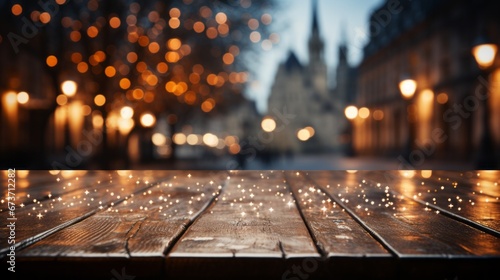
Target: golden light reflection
407,173
407,88
179,138
210,140
174,44
114,22
16,9
364,112
22,174
378,115
61,99
97,120
69,88
99,100
23,97
351,112
485,54
442,98
193,139
268,124
51,61
126,112
303,134
426,173
125,126
208,105
159,139
148,120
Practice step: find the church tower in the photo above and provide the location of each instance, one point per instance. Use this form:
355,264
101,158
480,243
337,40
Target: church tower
302,90
316,45
317,66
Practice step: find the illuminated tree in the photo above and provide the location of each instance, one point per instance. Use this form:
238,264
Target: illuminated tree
172,57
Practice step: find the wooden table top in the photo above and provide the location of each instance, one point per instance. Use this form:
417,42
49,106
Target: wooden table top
248,224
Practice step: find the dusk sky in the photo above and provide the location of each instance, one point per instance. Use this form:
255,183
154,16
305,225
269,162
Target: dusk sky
293,23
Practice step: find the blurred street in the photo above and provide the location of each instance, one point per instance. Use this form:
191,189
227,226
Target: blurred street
307,162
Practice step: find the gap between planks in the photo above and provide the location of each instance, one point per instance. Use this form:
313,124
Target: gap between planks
351,213
446,213
31,240
196,216
319,246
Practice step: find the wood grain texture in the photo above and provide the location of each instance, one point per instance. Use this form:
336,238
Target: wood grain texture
252,218
460,199
486,181
258,224
404,224
39,186
336,232
141,226
37,221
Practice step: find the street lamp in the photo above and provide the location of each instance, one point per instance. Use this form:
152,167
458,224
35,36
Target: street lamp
351,113
408,87
69,88
268,124
23,97
484,53
126,112
148,120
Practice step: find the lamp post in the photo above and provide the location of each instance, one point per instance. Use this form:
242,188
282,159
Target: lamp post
69,89
351,113
407,87
484,53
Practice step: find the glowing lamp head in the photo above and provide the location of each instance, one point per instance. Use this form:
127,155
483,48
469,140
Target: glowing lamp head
303,134
148,120
23,97
485,54
126,112
69,88
351,112
408,88
268,124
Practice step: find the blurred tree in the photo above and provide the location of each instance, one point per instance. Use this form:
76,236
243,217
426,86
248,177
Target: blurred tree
171,57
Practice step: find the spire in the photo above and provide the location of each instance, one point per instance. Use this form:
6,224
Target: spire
342,47
315,43
315,25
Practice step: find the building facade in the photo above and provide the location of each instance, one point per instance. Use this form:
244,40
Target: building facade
301,93
430,42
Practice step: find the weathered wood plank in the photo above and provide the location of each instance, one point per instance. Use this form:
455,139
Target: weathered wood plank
485,182
41,185
133,234
459,199
336,232
44,218
148,237
144,225
404,224
254,217
254,230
